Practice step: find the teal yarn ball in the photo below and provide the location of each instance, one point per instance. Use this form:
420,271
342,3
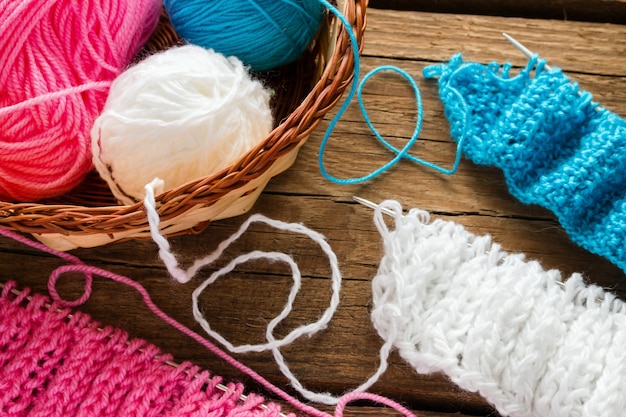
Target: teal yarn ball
263,34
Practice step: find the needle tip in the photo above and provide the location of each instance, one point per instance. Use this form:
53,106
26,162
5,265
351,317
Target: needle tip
372,205
364,202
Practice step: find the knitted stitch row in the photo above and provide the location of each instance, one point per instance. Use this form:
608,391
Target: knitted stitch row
556,147
57,363
531,344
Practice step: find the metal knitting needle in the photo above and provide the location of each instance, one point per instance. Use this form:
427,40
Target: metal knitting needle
372,205
221,387
384,210
521,48
528,53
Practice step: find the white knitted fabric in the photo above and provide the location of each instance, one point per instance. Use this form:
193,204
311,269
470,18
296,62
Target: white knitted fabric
494,323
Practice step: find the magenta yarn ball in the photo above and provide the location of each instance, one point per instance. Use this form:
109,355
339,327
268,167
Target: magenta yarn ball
58,59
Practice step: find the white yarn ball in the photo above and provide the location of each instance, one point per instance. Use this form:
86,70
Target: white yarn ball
179,115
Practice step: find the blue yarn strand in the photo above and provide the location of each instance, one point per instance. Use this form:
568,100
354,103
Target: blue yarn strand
357,88
403,153
208,24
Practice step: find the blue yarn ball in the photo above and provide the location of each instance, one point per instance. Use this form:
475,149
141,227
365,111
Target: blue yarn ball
263,34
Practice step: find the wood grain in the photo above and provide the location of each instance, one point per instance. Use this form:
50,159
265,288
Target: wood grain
571,10
240,305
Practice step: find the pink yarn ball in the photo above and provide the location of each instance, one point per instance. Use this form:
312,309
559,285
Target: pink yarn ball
58,59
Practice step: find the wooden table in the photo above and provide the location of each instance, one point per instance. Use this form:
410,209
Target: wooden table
240,305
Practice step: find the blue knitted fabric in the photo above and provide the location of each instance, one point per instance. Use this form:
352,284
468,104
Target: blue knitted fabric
555,146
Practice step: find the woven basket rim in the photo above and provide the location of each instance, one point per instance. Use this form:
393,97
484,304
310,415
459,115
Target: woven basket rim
287,136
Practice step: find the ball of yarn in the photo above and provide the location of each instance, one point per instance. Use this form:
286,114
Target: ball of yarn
179,115
58,58
264,34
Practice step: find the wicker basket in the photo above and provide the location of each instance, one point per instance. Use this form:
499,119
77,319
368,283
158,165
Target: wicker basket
305,91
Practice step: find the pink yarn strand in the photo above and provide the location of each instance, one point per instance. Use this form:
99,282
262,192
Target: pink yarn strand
54,95
86,269
76,265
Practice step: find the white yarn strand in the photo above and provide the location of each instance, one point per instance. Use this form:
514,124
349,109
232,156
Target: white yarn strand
168,258
454,302
531,344
272,344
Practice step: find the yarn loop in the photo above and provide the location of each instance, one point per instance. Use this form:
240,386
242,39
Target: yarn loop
272,344
356,88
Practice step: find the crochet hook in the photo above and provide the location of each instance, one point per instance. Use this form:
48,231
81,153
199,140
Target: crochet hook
521,47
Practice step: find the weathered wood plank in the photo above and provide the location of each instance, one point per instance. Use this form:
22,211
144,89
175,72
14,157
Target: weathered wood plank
241,304
598,10
592,48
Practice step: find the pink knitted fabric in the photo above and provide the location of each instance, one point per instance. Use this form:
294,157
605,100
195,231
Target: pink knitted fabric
57,363
46,353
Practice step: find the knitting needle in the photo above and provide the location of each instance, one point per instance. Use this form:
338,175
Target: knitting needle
527,52
372,205
521,48
221,387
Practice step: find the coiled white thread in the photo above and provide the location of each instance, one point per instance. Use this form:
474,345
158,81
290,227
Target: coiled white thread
272,344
